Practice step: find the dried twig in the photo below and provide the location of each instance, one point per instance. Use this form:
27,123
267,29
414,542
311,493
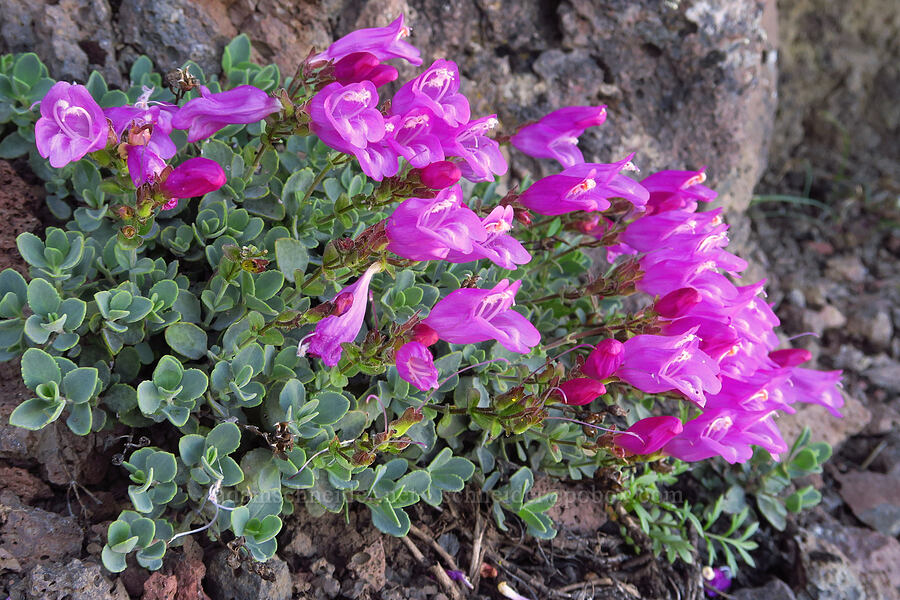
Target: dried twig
437,570
477,550
451,562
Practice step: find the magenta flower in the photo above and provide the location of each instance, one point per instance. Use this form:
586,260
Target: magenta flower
332,331
194,177
204,116
429,229
148,128
604,359
649,435
726,432
71,125
415,365
440,175
674,190
587,186
436,89
424,334
383,42
411,136
556,135
499,247
469,316
580,391
363,66
345,118
655,363
481,156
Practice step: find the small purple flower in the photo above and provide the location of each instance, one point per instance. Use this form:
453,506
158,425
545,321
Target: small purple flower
469,316
649,435
481,156
717,580
345,118
204,116
436,89
332,331
499,247
556,135
384,42
71,125
440,175
363,66
415,365
194,177
587,187
656,363
580,391
411,136
429,229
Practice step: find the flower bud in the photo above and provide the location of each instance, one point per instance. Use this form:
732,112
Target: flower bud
362,66
361,458
194,177
790,357
410,417
580,391
440,175
424,334
675,304
604,359
649,435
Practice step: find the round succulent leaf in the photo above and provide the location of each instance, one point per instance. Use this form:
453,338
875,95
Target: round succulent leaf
168,373
113,561
80,418
36,413
79,384
39,367
187,339
164,466
225,437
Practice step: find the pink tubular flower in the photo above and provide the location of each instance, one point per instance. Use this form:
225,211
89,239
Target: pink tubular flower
436,89
332,331
480,154
790,357
580,391
204,116
469,316
345,118
411,136
440,175
604,359
363,66
649,435
194,177
148,142
556,135
500,248
429,229
587,186
655,363
675,190
71,125
383,42
415,365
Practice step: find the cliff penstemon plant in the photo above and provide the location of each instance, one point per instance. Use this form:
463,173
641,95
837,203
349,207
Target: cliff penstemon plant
303,292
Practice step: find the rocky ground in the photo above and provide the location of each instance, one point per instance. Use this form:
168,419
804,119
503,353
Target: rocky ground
688,83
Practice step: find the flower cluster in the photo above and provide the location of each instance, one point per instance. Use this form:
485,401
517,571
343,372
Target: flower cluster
713,342
72,125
